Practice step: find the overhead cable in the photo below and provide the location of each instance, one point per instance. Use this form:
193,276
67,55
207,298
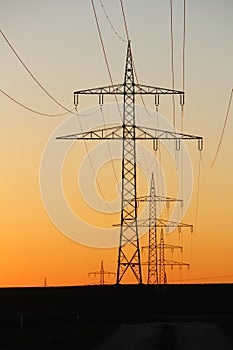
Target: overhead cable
104,52
30,109
221,136
110,23
125,23
31,74
172,65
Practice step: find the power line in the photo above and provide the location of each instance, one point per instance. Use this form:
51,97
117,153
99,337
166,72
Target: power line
183,46
172,64
110,23
198,189
85,144
109,150
134,65
31,74
111,80
93,170
221,136
204,278
104,52
183,62
30,109
125,23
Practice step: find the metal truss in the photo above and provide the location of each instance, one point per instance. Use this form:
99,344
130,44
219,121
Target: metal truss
129,133
155,249
101,274
162,262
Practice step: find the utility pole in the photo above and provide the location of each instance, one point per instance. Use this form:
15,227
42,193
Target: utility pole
129,251
101,273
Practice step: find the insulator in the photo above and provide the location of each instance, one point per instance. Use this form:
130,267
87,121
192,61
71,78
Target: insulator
157,100
76,100
178,144
101,99
182,99
179,229
168,204
200,144
191,229
155,145
172,267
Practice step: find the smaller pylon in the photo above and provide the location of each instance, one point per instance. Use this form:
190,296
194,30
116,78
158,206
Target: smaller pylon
101,273
45,282
156,254
162,262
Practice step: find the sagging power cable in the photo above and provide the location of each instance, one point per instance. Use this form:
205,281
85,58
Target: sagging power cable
32,75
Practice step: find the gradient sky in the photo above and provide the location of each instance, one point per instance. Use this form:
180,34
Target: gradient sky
58,40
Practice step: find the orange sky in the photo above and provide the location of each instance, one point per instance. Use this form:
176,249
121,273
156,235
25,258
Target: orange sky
61,46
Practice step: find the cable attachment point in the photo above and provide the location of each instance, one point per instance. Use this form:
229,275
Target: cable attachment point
101,100
178,144
182,100
76,101
155,145
157,101
200,144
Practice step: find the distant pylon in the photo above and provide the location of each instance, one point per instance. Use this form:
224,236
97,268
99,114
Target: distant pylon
163,262
101,273
154,269
45,282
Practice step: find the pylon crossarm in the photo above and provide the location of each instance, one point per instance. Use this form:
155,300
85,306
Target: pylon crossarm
114,132
173,263
143,133
169,246
168,223
158,199
118,89
162,223
103,90
155,90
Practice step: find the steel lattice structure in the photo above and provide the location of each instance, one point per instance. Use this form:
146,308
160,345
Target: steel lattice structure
129,252
101,273
156,255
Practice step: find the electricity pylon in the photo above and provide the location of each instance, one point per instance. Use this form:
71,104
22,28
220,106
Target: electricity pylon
129,252
153,273
101,273
162,262
156,254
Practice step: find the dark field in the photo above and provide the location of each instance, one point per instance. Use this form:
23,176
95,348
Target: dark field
82,317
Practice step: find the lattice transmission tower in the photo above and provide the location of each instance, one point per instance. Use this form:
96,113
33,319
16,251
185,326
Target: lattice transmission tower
102,273
128,132
163,262
156,246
